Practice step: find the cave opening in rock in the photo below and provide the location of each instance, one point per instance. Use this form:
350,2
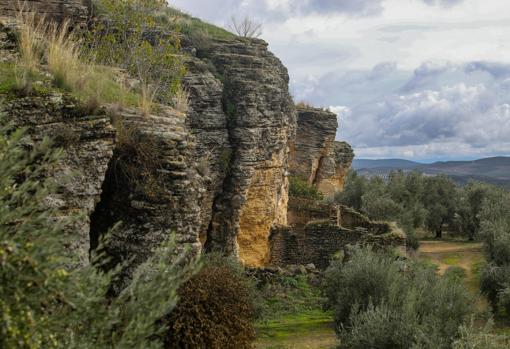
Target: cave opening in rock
102,219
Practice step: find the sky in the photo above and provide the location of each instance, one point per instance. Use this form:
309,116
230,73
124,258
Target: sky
423,80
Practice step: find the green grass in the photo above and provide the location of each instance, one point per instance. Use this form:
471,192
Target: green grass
293,317
8,81
308,329
289,326
102,83
451,259
189,24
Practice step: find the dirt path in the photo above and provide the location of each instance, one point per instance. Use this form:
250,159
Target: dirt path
446,254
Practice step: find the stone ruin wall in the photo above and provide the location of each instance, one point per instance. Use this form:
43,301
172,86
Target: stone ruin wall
317,231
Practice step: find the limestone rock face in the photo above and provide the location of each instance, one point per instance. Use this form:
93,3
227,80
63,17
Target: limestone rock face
88,142
56,10
243,119
333,169
151,187
315,155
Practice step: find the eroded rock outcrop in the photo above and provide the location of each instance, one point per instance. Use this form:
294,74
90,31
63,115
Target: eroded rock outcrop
151,187
56,10
243,119
220,171
315,155
87,140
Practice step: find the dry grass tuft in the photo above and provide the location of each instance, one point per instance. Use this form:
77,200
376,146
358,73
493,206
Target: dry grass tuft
147,99
63,58
54,44
181,100
30,45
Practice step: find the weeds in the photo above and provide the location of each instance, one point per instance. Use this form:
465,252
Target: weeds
62,53
137,161
181,100
30,46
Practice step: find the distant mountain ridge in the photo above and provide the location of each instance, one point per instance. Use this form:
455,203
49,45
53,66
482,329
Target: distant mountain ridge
359,164
494,170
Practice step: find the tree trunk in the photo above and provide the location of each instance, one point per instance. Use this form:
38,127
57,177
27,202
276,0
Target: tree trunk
439,233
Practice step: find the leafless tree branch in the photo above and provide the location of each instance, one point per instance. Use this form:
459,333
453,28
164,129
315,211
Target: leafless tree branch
246,27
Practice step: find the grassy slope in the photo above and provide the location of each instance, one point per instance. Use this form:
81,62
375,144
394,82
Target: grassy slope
189,24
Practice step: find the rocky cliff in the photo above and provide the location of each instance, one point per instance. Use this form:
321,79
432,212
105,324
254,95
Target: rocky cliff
243,119
216,176
315,155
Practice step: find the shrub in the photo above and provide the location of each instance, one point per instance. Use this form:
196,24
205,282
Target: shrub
366,278
455,273
62,52
495,230
30,48
378,303
378,327
494,279
412,241
246,27
471,337
137,161
130,35
215,311
300,188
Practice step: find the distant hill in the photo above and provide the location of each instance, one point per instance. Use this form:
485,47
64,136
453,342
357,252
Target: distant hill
359,164
495,170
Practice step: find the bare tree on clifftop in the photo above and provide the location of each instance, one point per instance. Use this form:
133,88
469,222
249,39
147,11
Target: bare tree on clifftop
246,27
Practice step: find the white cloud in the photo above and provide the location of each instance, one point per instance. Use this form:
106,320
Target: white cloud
421,77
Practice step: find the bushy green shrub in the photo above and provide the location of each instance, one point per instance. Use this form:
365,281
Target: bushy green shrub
494,280
412,241
366,278
215,310
300,188
495,230
380,327
472,337
381,303
129,34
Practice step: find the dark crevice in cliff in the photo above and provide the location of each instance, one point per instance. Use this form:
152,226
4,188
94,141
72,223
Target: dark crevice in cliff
316,176
101,218
220,230
113,206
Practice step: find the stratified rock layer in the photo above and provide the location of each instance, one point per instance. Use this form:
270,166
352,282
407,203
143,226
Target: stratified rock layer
56,10
88,142
151,187
243,119
315,155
